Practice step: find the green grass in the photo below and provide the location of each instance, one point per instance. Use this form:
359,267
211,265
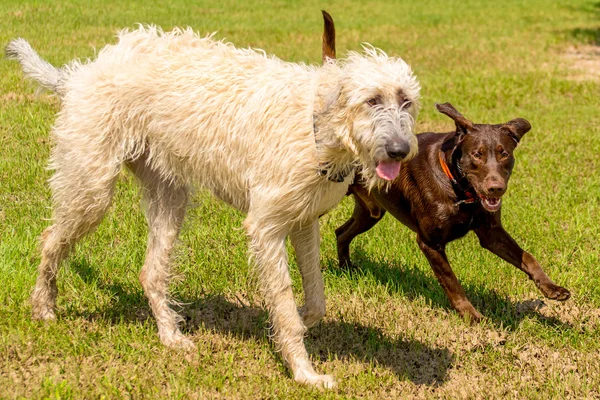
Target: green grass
389,331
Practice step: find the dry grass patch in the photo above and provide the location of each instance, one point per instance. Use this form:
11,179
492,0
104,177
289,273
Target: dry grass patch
16,97
582,62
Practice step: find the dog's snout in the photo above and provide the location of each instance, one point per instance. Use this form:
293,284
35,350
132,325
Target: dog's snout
397,151
496,188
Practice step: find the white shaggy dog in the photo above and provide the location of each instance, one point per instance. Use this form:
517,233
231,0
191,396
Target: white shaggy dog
279,141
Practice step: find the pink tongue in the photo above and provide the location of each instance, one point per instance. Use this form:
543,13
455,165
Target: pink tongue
388,170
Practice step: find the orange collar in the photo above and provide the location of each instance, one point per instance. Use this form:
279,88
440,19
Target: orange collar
445,168
470,197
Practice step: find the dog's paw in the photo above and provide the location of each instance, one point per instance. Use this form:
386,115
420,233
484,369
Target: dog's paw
311,316
473,319
325,382
305,374
43,313
470,314
555,292
313,379
348,265
177,340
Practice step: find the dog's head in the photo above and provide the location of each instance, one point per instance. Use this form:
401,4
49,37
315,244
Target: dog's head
371,102
371,111
483,154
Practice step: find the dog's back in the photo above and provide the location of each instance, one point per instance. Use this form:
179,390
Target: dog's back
174,96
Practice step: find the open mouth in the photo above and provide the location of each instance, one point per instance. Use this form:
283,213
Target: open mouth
388,170
491,204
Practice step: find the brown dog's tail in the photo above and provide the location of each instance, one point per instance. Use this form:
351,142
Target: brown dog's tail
328,37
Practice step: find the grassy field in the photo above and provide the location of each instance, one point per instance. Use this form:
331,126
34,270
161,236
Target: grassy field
389,332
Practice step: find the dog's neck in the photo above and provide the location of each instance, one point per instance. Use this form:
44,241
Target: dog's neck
337,153
449,159
333,162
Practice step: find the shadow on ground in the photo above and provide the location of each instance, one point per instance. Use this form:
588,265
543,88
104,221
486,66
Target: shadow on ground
408,359
588,35
413,283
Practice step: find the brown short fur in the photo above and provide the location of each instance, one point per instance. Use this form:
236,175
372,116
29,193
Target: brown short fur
423,197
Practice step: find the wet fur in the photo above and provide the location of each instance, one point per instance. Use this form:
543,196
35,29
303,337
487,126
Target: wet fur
181,111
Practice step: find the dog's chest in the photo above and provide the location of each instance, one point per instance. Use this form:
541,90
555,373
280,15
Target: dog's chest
458,222
332,194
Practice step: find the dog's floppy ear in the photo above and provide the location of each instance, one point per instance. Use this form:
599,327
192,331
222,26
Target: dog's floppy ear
462,124
517,128
328,37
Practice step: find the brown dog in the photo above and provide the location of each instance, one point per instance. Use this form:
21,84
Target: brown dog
454,185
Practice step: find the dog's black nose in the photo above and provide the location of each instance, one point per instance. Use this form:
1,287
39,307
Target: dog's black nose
397,151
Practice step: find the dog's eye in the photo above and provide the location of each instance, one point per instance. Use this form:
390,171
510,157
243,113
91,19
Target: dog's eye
502,151
477,155
374,101
406,104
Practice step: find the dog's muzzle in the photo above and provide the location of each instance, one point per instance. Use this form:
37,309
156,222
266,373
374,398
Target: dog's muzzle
397,150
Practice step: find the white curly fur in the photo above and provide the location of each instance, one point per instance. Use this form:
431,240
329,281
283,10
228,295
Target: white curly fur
183,111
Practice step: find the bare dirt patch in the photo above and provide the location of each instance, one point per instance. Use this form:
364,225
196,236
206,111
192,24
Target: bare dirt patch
14,97
583,62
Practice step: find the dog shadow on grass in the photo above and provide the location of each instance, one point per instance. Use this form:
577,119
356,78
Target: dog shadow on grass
414,283
408,359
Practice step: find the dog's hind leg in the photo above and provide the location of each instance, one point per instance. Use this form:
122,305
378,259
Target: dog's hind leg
82,192
305,240
366,214
267,246
165,205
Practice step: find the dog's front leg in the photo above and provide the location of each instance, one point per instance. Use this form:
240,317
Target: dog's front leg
494,238
436,255
267,246
305,239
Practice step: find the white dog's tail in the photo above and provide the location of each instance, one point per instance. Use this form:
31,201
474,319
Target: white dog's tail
35,67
